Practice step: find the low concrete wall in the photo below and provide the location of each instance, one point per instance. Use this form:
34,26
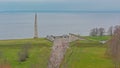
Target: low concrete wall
71,37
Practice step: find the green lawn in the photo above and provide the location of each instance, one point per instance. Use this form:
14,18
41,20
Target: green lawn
84,54
97,38
81,54
39,52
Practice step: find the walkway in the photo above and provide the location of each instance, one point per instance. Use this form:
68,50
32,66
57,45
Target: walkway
58,51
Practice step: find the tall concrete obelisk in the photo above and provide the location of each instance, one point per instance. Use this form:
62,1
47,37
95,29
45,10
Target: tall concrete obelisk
35,27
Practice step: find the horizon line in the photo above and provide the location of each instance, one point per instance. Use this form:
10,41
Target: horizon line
58,11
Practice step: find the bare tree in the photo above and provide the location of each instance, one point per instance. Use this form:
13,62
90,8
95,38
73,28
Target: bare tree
114,47
110,31
94,32
116,28
101,31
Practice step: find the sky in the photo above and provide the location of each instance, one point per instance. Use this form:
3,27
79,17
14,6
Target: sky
81,23
81,5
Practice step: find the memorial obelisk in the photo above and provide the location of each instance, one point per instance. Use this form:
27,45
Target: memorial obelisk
35,27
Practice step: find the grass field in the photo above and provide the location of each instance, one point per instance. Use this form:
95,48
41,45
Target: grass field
84,54
97,38
39,52
80,54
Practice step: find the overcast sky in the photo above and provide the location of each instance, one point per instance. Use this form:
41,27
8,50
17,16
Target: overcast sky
91,1
87,5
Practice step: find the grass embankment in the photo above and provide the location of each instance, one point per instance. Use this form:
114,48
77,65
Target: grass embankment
97,38
39,51
87,54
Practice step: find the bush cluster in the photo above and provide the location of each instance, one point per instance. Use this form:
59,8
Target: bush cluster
23,54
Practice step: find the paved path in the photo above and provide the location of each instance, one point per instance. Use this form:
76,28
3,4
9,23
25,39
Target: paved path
59,48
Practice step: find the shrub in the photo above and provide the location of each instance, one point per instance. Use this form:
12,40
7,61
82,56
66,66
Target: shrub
23,54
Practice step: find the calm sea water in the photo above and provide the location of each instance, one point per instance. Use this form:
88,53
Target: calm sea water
21,25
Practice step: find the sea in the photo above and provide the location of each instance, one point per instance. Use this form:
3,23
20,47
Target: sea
20,25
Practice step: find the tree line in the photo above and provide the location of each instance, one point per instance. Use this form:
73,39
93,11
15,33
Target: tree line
101,31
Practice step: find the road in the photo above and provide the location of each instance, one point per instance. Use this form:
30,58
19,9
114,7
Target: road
59,48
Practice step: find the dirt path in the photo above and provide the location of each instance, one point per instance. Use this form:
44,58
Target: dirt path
59,48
